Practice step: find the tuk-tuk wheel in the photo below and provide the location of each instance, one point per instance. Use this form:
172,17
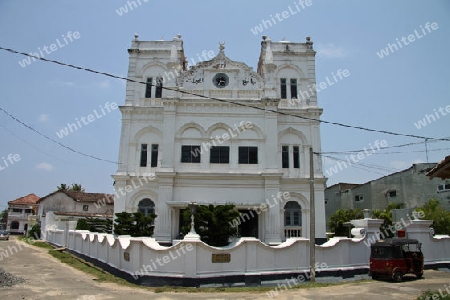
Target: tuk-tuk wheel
398,276
419,275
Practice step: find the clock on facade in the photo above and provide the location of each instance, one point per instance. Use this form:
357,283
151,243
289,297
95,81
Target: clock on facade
220,80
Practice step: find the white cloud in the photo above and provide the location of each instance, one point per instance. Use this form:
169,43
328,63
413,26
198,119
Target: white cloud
103,84
331,51
43,118
44,166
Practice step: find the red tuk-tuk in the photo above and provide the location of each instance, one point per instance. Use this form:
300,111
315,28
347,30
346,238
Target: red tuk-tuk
395,257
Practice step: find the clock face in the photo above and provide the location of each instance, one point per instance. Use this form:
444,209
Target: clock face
220,80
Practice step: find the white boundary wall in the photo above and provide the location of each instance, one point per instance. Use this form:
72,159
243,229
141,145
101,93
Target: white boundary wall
192,258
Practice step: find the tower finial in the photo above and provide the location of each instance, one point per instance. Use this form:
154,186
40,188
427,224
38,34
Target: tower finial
222,46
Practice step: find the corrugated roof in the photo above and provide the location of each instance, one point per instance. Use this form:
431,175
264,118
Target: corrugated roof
441,170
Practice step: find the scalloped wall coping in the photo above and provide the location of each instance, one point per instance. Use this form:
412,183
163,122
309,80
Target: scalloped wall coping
124,241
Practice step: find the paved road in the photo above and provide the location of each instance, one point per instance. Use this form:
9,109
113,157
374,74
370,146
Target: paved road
47,278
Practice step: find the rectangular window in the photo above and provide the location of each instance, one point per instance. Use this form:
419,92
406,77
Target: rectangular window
296,218
154,162
159,86
359,198
293,88
219,155
287,218
285,157
17,210
143,155
443,187
283,88
148,88
248,155
85,207
28,211
392,194
296,157
190,154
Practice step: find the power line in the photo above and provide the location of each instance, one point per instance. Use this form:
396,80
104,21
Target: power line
53,140
32,146
362,166
223,100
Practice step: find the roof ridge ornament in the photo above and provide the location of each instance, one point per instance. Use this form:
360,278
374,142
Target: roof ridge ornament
221,46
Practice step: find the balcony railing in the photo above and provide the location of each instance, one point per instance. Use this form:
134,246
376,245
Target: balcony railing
18,215
292,231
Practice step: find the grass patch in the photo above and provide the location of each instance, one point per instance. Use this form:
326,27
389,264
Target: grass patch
31,241
101,275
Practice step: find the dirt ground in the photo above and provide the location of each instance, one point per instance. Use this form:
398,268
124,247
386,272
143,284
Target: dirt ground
47,278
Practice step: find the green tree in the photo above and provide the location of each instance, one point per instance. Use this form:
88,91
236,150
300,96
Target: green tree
341,216
212,223
82,224
386,216
3,219
35,232
76,187
440,217
4,216
134,224
62,187
95,225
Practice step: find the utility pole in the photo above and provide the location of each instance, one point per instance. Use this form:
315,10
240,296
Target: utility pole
312,218
426,148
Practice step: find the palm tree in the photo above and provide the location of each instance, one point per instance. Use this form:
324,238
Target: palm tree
62,187
76,187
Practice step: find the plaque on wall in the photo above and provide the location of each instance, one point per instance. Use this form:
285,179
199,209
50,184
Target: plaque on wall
126,256
221,258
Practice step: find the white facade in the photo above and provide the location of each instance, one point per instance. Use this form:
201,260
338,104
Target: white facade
187,116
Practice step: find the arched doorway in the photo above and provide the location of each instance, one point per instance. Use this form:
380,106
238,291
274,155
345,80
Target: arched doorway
14,225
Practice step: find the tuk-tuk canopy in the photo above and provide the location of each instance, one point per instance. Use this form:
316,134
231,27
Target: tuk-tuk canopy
394,242
394,248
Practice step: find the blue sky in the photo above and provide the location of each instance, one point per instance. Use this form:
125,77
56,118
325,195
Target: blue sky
390,93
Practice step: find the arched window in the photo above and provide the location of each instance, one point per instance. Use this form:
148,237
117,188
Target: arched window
292,214
14,225
146,206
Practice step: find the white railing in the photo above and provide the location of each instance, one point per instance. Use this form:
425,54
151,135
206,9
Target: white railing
293,231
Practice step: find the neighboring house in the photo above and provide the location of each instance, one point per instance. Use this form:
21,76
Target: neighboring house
211,152
338,196
442,171
19,213
71,206
411,187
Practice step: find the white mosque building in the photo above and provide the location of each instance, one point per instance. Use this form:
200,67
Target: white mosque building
207,151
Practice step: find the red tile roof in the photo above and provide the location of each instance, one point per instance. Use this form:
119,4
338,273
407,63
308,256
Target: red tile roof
26,200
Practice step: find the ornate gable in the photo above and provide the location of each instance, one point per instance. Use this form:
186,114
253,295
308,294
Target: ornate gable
224,78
